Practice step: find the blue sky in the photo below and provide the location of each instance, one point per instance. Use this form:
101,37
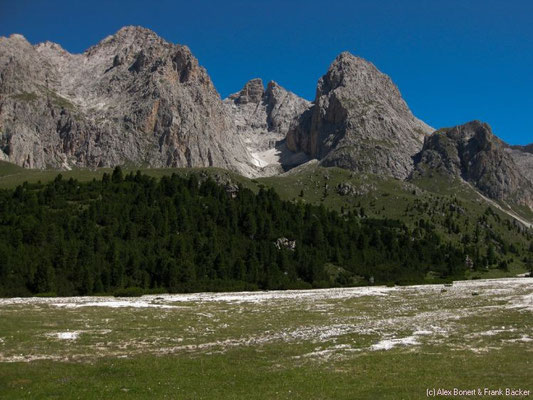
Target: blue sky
453,60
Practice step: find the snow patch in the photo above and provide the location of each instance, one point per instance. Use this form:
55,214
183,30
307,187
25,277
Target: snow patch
523,338
114,304
388,344
422,332
328,352
525,302
69,335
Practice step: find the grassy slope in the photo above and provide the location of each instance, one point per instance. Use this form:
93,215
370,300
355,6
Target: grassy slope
430,200
272,370
207,350
248,374
379,197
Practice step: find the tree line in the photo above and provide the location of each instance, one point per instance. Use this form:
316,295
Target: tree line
182,234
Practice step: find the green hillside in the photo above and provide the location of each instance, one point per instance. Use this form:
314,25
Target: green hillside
455,211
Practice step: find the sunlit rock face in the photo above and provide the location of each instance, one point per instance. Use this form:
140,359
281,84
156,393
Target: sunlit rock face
134,98
359,121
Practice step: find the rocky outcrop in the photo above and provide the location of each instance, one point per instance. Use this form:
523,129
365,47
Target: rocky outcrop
132,99
473,153
359,121
523,157
263,118
139,100
526,149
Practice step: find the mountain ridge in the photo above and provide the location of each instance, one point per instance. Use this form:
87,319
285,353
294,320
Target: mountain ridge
136,99
132,98
472,152
359,121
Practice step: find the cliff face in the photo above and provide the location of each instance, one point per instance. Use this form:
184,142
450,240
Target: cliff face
139,100
136,99
133,98
263,118
472,152
523,157
359,121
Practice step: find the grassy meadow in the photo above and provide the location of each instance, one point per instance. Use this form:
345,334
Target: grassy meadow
350,343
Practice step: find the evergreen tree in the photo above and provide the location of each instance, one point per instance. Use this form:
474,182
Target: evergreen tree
117,176
184,234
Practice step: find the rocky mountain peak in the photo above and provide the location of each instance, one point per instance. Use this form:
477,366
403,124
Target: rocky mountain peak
359,121
136,98
263,118
130,35
363,81
17,37
476,133
20,65
252,92
13,44
272,85
135,31
132,98
274,92
472,152
49,45
344,68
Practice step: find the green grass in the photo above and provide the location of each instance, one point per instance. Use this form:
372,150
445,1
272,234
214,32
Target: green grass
56,99
12,175
427,198
45,92
25,96
317,346
252,375
7,169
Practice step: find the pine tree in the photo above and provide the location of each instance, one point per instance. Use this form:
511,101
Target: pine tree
117,176
491,255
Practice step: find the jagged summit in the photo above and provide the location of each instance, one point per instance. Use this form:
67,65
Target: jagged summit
135,98
131,35
17,37
252,92
132,98
263,118
49,45
369,84
472,152
135,30
347,67
359,121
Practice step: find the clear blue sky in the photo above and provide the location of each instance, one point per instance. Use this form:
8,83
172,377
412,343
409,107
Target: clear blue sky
453,60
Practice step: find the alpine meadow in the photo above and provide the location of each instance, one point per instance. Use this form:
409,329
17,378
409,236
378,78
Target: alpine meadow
160,241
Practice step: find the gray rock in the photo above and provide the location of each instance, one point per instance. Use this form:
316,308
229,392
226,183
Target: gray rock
523,157
359,121
131,99
284,243
137,99
347,189
263,118
472,152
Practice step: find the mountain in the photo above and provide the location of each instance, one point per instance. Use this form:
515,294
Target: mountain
473,153
135,99
523,157
131,99
359,121
526,149
263,118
